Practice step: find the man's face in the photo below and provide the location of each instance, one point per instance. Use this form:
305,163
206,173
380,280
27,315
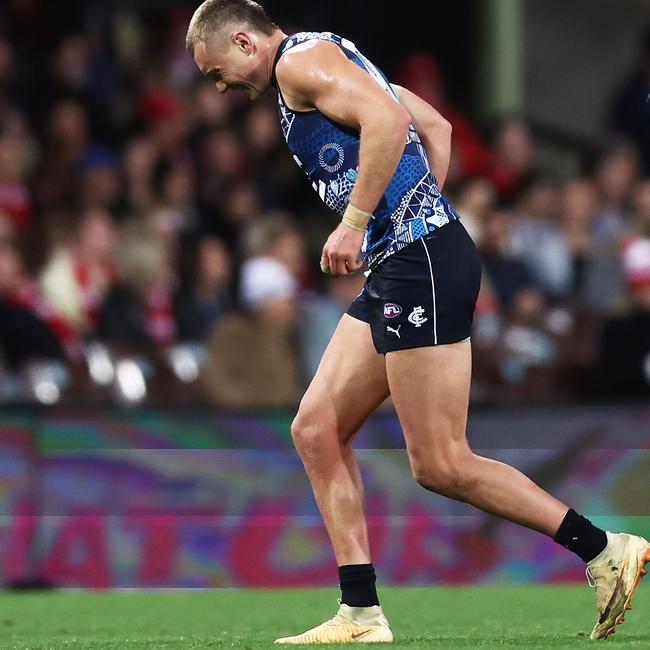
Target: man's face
233,65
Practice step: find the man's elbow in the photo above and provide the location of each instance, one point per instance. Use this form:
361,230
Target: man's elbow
401,119
397,123
437,131
443,125
394,122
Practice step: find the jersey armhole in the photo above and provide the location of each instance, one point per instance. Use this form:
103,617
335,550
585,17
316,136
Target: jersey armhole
284,103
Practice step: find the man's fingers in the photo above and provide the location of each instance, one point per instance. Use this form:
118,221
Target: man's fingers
334,264
341,267
333,261
349,265
324,264
354,265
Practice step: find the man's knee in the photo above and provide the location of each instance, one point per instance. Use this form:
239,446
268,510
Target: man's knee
311,434
302,428
448,473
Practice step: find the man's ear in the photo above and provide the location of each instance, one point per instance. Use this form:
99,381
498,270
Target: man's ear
243,42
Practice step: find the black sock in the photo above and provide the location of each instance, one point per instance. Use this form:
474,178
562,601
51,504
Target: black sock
358,585
580,536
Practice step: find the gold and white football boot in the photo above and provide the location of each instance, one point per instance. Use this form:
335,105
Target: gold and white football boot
350,625
615,574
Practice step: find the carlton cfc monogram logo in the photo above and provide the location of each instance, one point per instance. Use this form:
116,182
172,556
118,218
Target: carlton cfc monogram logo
391,310
416,317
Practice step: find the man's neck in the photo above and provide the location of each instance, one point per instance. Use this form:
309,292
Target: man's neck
273,45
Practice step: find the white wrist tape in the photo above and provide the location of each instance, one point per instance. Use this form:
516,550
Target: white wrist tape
356,218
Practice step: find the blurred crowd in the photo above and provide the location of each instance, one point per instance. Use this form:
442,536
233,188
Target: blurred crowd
156,235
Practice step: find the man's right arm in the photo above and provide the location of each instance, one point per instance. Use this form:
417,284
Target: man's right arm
319,75
434,131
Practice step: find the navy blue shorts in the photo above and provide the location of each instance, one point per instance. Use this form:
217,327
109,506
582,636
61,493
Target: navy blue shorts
425,294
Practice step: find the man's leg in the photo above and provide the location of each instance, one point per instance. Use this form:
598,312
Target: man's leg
430,389
349,384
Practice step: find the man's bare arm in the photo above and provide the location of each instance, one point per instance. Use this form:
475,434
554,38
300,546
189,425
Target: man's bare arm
434,131
319,75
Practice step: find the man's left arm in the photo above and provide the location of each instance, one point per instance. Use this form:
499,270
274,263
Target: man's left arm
434,131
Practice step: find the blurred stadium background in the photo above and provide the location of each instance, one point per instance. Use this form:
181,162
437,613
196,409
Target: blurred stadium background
162,309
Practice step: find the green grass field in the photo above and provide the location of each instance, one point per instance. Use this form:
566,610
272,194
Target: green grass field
485,617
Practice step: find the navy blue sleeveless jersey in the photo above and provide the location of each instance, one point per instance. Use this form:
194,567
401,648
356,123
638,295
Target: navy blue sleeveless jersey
328,152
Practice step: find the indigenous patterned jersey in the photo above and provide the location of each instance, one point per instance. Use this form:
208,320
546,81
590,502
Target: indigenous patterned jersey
328,152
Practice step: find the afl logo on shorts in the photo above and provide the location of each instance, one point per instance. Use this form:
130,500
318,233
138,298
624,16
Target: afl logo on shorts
331,157
391,310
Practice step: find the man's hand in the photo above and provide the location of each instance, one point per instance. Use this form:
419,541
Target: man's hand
341,251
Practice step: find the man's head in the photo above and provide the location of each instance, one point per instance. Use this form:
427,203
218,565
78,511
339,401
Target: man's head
232,43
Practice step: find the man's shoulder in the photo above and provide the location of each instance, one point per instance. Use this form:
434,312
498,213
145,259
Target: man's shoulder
297,61
306,44
303,37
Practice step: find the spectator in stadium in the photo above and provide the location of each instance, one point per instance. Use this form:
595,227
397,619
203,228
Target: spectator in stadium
515,340
99,179
138,166
526,348
606,288
207,110
624,358
203,297
508,275
615,175
181,72
624,351
66,140
80,67
138,309
513,156
175,211
163,118
263,135
15,198
576,216
629,111
641,207
486,333
518,342
419,72
473,199
29,327
273,171
80,272
221,167
320,314
536,237
277,235
239,209
253,359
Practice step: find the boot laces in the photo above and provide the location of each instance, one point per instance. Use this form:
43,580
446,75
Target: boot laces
590,578
336,619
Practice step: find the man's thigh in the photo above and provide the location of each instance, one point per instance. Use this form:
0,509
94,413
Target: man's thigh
430,390
350,381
